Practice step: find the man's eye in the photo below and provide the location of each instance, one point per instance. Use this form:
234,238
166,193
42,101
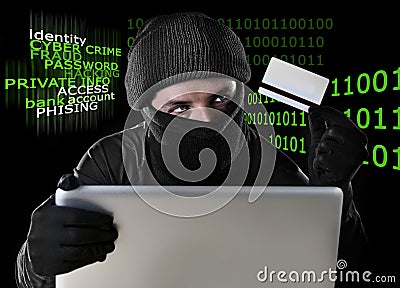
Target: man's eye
218,98
179,109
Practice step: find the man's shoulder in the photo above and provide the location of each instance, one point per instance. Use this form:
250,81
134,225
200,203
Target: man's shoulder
134,134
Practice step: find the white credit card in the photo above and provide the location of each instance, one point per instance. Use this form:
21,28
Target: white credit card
293,85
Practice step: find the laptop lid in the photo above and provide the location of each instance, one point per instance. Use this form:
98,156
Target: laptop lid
288,237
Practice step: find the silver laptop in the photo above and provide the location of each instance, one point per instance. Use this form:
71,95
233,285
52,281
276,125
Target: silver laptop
288,237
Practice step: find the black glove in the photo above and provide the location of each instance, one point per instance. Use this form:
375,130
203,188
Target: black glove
62,239
337,150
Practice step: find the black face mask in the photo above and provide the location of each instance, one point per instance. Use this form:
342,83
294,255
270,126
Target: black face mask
175,146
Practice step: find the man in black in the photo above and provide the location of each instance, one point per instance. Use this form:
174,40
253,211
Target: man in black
182,69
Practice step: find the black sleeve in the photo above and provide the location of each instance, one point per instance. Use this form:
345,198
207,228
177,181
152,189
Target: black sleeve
354,246
25,277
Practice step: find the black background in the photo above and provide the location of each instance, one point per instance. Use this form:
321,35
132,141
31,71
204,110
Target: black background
360,42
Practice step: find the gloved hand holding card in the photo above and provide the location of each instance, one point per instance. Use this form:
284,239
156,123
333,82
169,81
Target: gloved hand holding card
293,85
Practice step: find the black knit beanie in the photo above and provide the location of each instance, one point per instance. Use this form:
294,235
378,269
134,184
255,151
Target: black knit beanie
190,44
